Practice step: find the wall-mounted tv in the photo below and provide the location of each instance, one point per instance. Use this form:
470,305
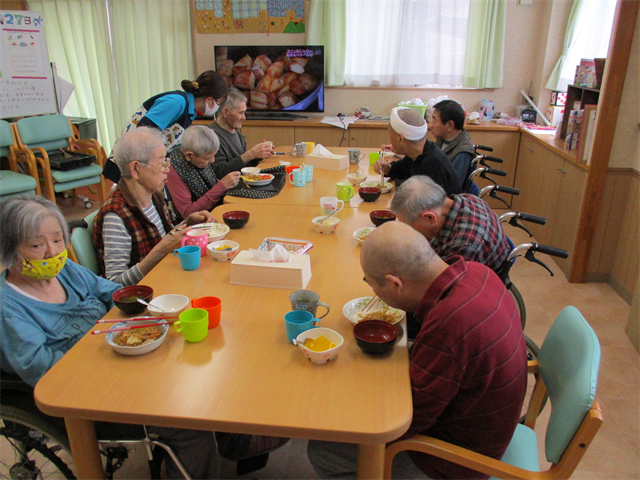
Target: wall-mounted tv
275,78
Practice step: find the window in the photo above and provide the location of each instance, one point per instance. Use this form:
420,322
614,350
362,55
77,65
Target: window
395,42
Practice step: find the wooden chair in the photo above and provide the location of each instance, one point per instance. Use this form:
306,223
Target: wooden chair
36,136
568,366
15,181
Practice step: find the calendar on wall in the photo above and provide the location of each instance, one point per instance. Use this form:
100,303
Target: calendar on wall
249,16
26,83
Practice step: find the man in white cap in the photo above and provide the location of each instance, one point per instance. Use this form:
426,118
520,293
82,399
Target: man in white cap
408,137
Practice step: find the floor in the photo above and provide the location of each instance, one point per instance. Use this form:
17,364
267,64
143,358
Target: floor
615,451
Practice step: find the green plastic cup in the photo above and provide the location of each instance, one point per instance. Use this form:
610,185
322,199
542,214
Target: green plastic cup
193,324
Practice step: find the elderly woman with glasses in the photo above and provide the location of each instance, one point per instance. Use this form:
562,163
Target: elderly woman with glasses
192,182
132,232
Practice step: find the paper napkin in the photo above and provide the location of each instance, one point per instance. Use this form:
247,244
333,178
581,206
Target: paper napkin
276,254
321,151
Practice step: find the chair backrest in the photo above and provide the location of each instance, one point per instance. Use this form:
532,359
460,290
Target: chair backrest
82,243
6,138
568,361
49,131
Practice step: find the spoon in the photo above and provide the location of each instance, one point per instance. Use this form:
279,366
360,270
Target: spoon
323,219
149,305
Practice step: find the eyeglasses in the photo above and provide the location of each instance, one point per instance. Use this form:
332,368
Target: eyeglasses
160,166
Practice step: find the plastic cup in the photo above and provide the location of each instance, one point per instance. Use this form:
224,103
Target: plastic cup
193,324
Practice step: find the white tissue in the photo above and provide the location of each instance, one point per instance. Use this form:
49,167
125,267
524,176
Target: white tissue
321,151
277,254
284,163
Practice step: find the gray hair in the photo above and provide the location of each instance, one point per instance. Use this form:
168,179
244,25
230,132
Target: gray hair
201,140
20,220
397,249
234,98
415,195
136,145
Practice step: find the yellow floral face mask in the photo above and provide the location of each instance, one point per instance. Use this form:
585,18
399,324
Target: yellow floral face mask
45,269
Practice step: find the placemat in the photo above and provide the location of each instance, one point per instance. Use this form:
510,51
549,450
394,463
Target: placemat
266,191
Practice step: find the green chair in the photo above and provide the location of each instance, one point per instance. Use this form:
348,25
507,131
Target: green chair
14,182
568,365
81,249
36,136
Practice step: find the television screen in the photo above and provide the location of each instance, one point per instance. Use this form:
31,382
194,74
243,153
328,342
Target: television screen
274,78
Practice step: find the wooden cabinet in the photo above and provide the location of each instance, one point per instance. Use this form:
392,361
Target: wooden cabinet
551,186
583,95
277,135
328,136
368,137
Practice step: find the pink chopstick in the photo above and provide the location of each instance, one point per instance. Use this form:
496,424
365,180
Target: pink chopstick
132,327
304,250
137,319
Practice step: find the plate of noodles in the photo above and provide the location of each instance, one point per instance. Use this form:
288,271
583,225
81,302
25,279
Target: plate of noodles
258,179
379,311
139,340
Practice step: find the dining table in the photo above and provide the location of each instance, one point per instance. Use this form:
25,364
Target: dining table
245,376
323,183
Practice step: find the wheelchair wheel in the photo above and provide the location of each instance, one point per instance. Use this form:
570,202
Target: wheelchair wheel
532,354
32,447
522,310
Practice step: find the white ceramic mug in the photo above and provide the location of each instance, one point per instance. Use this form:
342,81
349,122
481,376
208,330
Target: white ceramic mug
330,205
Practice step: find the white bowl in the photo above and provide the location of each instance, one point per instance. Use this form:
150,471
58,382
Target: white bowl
361,233
171,304
140,350
216,231
330,227
356,178
320,357
250,170
223,255
372,183
353,307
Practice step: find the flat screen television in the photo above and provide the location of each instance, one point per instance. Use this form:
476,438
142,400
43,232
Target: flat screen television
275,78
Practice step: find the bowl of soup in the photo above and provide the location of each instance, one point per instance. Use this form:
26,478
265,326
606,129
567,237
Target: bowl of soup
126,299
319,344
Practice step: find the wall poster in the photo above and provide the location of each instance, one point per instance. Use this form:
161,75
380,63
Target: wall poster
249,16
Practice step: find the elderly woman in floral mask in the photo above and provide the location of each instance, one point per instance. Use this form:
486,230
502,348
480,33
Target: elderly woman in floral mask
46,302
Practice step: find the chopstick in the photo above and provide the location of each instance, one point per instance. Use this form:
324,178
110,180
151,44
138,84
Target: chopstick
133,327
136,319
245,182
368,306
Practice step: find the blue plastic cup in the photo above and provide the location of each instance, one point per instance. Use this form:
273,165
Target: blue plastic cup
298,321
298,178
308,170
189,256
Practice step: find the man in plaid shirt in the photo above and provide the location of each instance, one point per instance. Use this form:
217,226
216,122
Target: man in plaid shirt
460,224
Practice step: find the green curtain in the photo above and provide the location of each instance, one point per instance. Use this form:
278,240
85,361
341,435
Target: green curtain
569,37
152,49
78,42
484,54
327,25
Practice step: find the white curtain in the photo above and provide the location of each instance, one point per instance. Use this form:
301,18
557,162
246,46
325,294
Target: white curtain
587,36
396,42
117,53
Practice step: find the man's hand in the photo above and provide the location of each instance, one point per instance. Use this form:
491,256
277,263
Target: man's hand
231,180
200,217
386,147
381,167
261,150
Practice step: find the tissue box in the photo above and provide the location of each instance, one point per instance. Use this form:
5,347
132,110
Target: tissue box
335,162
290,275
554,114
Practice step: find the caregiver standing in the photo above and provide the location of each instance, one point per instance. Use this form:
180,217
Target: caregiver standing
172,112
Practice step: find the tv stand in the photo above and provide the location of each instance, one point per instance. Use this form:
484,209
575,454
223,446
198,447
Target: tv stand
266,115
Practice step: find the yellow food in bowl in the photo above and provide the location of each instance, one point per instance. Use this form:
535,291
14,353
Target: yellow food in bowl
320,344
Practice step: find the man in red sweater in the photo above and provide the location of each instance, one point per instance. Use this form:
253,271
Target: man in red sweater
468,362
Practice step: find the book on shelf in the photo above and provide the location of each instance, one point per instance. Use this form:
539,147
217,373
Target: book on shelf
588,134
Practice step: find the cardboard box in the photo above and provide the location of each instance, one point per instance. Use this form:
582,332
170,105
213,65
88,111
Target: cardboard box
554,114
294,274
335,162
558,98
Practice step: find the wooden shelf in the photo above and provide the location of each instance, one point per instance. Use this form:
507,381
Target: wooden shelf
584,95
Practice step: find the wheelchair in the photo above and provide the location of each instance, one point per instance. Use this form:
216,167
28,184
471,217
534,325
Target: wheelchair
35,445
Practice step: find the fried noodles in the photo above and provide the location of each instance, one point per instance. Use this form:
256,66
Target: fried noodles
138,336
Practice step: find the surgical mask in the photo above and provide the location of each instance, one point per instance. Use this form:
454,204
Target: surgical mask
209,111
44,269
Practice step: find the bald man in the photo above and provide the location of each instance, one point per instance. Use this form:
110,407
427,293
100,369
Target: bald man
408,137
468,363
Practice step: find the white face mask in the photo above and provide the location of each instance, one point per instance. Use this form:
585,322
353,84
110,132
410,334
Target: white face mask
209,111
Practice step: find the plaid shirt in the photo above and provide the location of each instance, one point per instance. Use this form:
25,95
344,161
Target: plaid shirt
472,230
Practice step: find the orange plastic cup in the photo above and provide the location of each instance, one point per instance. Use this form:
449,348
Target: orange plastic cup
213,305
290,168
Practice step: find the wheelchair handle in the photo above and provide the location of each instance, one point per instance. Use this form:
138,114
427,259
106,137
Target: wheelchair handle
527,217
482,147
553,251
493,159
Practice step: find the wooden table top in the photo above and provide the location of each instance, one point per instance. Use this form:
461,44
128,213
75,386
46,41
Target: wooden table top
245,377
322,185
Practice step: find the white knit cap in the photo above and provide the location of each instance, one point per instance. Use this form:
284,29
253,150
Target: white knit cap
408,131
